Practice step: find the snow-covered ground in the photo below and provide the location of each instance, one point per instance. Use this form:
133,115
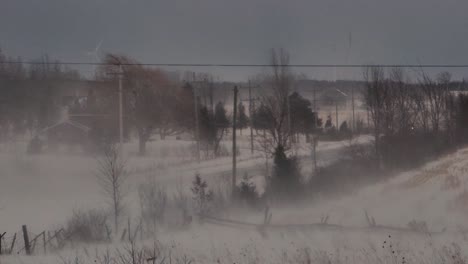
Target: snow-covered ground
41,191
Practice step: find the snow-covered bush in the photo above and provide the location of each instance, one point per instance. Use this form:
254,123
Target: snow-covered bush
153,201
202,196
88,226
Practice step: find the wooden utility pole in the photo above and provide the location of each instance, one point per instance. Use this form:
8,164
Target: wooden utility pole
251,123
336,110
314,146
27,246
211,91
197,126
234,146
120,110
44,242
352,105
315,107
289,119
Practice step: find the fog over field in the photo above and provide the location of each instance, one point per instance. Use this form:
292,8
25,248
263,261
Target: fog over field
258,131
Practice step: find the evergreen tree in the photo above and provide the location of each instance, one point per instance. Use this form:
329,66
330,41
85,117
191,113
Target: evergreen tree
328,123
220,116
213,127
247,191
303,119
261,118
242,118
286,177
344,128
201,195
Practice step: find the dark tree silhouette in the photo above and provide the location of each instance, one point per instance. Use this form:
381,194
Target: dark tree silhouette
242,118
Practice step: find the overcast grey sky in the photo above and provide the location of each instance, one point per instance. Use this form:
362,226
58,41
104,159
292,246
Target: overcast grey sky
240,31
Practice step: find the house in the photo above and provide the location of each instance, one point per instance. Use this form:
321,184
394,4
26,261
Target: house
66,132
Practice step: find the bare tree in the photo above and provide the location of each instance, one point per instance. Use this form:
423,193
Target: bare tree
435,97
375,96
152,101
404,116
112,177
278,86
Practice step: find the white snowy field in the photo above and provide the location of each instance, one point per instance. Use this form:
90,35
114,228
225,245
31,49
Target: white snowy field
41,191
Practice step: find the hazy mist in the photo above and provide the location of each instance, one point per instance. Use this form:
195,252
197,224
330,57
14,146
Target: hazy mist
208,31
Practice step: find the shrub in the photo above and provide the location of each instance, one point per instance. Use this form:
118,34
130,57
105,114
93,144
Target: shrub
345,132
247,193
286,176
201,195
88,226
153,200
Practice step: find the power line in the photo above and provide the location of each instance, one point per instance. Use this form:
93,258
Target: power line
244,65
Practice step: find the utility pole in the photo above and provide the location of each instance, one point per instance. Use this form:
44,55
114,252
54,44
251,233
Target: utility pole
289,118
120,110
234,147
336,110
289,115
250,115
315,107
211,91
197,125
315,137
352,105
314,149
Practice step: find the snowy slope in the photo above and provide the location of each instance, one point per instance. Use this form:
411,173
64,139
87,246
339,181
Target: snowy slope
431,194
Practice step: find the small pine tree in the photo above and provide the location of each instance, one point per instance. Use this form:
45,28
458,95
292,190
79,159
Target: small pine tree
328,123
201,195
286,177
261,118
247,191
344,129
242,119
220,117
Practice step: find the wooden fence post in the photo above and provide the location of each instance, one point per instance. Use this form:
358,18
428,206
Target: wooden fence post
12,244
124,233
26,240
44,242
1,239
48,236
56,235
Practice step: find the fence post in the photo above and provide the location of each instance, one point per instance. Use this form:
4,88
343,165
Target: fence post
27,247
1,238
12,244
58,238
124,233
44,242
